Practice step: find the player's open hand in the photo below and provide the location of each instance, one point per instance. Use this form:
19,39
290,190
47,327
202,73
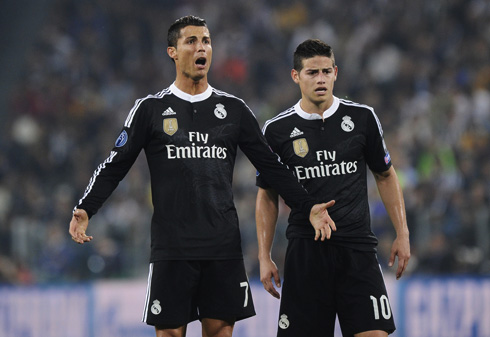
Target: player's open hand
321,221
269,271
78,226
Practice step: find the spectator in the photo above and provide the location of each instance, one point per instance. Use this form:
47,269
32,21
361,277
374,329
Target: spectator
89,61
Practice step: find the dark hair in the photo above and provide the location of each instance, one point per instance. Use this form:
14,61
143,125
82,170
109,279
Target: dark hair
174,30
309,49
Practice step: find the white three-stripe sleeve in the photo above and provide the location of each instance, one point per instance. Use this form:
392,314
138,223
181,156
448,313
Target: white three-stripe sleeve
96,174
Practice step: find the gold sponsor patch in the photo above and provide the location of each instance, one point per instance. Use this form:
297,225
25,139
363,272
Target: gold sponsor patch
170,126
300,147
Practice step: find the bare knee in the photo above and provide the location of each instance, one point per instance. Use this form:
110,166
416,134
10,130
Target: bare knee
217,328
170,331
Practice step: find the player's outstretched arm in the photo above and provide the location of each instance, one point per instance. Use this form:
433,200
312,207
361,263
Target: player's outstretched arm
321,221
78,226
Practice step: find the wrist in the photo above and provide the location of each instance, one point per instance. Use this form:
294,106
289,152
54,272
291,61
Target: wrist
89,214
265,256
403,233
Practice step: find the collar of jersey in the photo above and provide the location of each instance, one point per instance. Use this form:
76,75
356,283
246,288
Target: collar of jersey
191,98
327,113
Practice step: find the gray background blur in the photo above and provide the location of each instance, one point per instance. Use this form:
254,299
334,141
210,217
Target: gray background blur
71,70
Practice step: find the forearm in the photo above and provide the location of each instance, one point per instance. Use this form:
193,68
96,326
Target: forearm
266,214
278,176
104,181
392,196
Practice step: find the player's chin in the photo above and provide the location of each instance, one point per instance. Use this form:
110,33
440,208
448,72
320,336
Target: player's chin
197,76
319,99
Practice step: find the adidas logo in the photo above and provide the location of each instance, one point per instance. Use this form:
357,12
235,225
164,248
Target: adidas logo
169,111
295,133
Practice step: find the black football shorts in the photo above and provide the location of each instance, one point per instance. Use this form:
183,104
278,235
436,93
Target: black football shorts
180,292
321,281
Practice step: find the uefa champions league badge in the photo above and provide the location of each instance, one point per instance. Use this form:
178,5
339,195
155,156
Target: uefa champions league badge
122,139
347,124
220,111
387,158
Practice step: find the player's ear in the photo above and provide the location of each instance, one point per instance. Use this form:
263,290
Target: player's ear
172,52
295,76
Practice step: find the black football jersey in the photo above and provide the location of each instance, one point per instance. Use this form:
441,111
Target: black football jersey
190,143
330,158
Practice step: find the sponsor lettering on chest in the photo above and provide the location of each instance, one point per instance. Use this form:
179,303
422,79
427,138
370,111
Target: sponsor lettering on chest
326,165
197,148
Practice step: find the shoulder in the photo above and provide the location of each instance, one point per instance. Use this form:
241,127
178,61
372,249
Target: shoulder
358,108
141,103
222,95
151,98
279,120
362,110
235,102
354,106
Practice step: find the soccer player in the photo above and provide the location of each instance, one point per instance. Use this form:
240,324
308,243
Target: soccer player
190,133
329,143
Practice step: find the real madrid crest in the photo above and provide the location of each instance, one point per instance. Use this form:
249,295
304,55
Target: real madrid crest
301,147
170,126
156,308
220,111
347,124
284,322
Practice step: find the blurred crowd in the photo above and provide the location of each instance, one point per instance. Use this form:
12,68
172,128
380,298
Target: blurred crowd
423,65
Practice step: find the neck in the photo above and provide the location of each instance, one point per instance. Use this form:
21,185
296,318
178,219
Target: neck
315,108
190,86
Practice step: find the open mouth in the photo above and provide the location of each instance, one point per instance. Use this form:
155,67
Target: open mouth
321,90
201,61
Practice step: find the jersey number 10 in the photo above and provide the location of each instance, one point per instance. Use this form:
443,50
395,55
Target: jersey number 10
384,304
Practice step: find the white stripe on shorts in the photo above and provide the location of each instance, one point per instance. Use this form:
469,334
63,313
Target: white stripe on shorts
147,299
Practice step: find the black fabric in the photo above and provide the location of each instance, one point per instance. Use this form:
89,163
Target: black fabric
330,158
190,144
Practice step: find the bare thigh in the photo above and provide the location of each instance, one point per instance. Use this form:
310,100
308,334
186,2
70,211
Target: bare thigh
373,333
